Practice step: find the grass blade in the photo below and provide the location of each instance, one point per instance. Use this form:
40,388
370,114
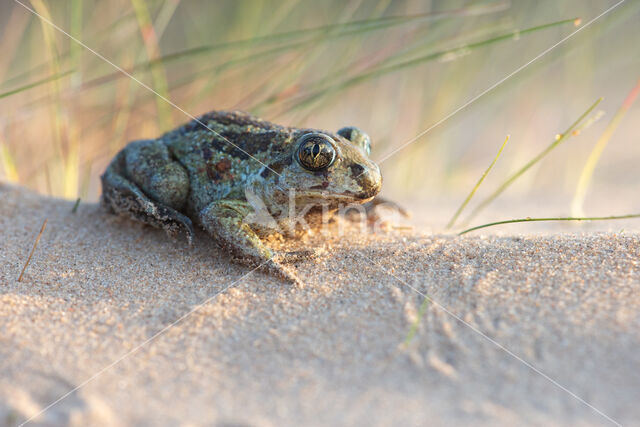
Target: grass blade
59,121
158,73
8,165
559,139
594,156
36,84
33,249
463,49
414,326
75,50
341,29
296,38
475,188
569,218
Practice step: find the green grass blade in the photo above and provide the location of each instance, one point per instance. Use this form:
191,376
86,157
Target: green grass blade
513,221
306,99
36,84
475,188
68,55
414,326
295,38
75,206
8,164
75,50
594,156
340,29
561,138
158,74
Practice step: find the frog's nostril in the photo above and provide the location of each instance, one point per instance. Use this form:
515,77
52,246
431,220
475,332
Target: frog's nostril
370,183
356,170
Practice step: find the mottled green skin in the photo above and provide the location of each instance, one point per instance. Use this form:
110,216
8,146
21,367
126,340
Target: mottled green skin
193,175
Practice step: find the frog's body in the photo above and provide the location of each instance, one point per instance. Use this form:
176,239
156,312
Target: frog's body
218,170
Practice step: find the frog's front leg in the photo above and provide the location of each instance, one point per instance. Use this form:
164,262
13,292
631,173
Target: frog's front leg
225,221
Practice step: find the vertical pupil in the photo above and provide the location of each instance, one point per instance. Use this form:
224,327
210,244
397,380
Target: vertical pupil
315,154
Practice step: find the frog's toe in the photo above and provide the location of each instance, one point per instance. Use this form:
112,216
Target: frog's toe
371,210
273,267
283,272
295,256
174,223
389,204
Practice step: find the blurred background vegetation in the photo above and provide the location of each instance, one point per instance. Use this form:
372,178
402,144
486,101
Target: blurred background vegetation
393,68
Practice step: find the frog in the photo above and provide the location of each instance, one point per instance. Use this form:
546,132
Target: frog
219,170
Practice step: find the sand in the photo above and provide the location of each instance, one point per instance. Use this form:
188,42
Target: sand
335,351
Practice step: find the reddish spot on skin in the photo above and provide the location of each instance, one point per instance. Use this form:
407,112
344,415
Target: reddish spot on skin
212,174
223,165
220,170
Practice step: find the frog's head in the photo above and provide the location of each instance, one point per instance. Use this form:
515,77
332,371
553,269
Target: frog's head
331,168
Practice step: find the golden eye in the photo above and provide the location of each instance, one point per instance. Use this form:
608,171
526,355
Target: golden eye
315,152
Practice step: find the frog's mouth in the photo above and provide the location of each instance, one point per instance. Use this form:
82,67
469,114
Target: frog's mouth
324,197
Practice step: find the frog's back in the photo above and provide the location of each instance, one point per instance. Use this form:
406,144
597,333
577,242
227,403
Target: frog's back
235,133
219,163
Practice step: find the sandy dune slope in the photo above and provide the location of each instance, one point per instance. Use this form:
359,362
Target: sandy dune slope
265,353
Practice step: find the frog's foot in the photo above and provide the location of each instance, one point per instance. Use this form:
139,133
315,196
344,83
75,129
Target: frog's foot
370,210
295,256
271,267
285,273
123,197
224,221
371,206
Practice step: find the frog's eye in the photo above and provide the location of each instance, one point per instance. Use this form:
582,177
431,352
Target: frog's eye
315,152
357,136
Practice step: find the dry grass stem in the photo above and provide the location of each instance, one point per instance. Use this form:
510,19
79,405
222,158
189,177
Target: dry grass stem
35,245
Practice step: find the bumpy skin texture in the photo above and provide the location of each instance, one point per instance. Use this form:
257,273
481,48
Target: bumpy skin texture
220,180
